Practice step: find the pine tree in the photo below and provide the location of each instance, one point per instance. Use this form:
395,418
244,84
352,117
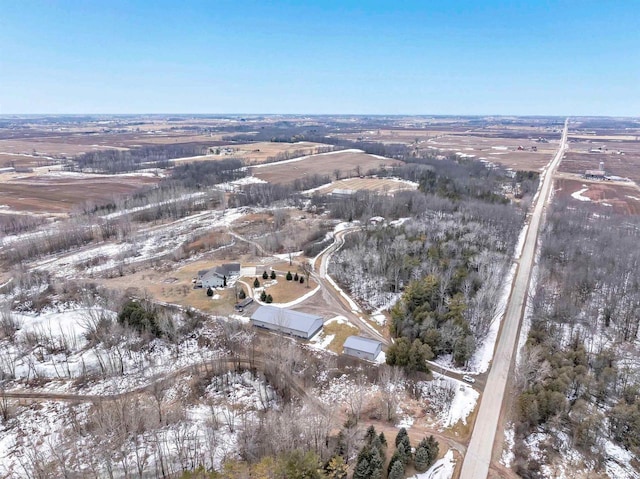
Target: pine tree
404,449
256,283
401,433
263,296
301,280
362,470
376,464
370,434
242,294
422,459
396,471
383,439
269,299
224,281
273,274
265,275
394,458
289,277
209,291
296,277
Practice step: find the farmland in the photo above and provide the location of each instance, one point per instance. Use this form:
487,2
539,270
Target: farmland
60,192
346,163
620,198
379,185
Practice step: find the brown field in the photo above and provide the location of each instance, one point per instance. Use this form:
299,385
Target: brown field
623,199
47,194
324,165
503,151
380,185
255,153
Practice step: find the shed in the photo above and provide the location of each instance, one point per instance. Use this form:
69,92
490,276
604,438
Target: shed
243,304
293,323
363,348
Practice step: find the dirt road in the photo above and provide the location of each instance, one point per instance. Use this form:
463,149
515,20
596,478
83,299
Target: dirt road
478,458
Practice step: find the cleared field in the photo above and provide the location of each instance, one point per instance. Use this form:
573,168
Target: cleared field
46,194
380,185
622,199
347,163
503,151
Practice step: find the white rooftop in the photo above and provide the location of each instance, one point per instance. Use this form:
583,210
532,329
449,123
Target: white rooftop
362,344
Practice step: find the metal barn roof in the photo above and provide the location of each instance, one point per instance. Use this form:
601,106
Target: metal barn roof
286,318
359,343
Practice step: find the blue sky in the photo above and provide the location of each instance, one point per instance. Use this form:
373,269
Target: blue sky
368,57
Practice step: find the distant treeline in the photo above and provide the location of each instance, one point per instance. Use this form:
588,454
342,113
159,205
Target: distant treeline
123,161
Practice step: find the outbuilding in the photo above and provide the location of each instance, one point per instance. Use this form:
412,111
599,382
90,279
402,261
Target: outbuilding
363,348
286,321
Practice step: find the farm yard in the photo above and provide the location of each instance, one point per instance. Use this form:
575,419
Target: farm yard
346,163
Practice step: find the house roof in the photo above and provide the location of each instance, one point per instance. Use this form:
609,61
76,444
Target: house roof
287,318
359,343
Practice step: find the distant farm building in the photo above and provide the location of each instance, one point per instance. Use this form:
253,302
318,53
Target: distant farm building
218,276
342,194
594,174
293,323
363,348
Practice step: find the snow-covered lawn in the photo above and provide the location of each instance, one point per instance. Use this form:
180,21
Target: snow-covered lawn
442,469
449,399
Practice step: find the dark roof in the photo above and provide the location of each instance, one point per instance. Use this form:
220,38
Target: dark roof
287,318
365,345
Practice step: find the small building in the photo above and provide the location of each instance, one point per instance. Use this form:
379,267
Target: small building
342,194
594,174
243,304
363,348
286,321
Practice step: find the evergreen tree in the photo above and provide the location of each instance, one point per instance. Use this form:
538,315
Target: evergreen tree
396,471
209,291
404,450
296,277
370,434
301,279
242,294
383,439
265,275
256,283
269,299
289,277
376,464
263,296
362,470
422,459
224,281
273,274
394,458
401,434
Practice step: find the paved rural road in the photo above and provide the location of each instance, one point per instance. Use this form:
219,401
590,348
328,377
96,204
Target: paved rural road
478,458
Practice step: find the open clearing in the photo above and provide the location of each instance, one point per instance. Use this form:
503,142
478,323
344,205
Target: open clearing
47,194
380,185
621,198
348,163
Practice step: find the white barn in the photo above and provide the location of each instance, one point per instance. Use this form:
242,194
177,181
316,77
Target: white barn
293,323
363,348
